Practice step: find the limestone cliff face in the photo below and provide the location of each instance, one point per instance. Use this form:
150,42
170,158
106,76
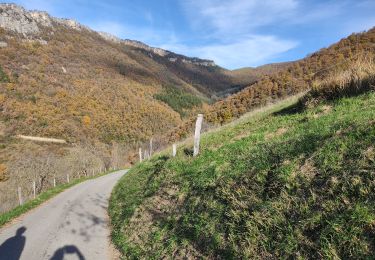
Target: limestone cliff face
30,23
141,45
133,43
17,19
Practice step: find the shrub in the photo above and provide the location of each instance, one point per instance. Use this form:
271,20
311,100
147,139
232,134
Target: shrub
86,120
3,173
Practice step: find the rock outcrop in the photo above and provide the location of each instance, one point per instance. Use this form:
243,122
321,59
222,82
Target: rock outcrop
17,19
29,23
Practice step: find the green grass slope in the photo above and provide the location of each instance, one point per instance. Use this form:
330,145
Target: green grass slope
287,182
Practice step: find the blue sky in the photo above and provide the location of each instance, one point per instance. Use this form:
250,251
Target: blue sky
233,33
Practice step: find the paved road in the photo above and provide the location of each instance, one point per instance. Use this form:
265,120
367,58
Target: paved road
72,225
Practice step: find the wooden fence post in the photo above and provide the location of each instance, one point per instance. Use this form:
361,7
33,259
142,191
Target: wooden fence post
54,182
20,196
34,189
174,150
67,178
140,154
150,154
197,135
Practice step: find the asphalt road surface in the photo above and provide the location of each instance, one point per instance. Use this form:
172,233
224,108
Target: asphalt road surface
72,225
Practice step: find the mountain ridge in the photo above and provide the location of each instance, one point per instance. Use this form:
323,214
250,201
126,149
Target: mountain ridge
30,23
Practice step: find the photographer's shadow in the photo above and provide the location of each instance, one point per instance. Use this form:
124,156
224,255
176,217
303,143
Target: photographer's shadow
12,248
67,250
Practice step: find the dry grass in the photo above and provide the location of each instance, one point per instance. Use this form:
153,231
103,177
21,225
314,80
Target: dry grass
359,78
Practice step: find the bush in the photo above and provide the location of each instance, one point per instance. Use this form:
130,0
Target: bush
3,173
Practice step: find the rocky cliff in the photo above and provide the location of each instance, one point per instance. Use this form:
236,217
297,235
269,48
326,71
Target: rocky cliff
30,23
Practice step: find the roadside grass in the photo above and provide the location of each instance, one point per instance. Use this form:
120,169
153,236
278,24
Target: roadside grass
288,182
41,198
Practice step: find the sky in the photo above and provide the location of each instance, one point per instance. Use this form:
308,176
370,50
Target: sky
233,33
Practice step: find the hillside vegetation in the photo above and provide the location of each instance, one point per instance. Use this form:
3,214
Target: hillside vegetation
285,79
295,180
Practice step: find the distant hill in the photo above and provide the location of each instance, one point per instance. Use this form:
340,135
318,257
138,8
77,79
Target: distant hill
248,74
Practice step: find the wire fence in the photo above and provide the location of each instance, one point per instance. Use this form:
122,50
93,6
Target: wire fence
33,187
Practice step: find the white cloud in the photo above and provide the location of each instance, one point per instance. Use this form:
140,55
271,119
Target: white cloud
231,30
237,16
249,51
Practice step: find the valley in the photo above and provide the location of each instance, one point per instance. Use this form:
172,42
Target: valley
286,167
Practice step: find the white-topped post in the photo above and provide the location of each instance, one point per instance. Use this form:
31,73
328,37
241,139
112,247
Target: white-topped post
20,196
34,189
174,150
197,135
150,153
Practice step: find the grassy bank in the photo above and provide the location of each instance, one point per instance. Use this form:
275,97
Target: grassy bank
294,181
16,212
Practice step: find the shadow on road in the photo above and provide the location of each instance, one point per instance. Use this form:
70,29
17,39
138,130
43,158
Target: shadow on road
67,250
12,248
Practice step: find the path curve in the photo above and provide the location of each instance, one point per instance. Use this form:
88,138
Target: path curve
72,225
